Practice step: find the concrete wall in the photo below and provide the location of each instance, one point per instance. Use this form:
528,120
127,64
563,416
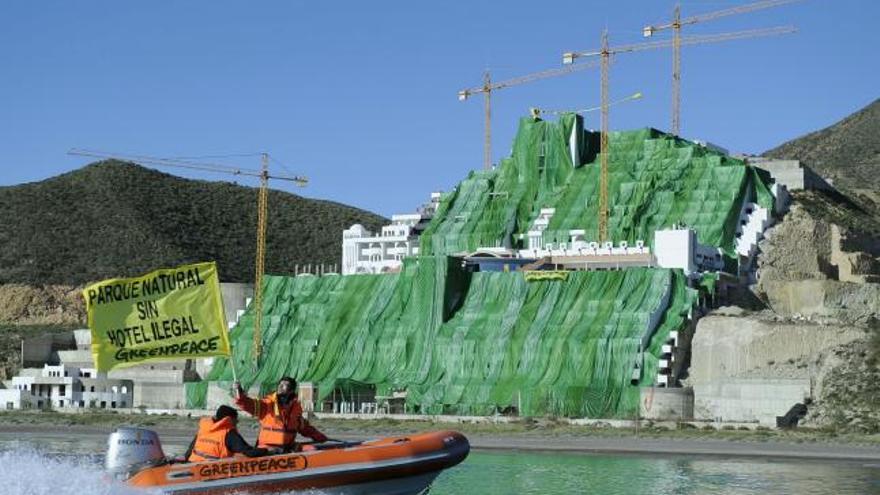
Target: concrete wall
16,399
674,248
748,369
727,347
153,373
749,399
792,174
77,358
160,395
38,351
667,404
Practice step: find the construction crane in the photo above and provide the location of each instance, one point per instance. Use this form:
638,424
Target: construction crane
537,112
676,25
262,212
488,87
605,53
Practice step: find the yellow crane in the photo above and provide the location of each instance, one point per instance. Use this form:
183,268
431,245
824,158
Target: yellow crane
488,87
676,25
262,212
537,112
604,53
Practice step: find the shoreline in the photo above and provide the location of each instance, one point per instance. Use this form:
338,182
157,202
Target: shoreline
536,441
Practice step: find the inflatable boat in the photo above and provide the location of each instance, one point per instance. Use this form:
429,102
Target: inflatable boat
394,465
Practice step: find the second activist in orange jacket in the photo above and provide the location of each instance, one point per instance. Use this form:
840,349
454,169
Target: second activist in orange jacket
280,415
219,438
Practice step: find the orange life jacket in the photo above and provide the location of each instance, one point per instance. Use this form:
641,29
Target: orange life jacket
211,440
279,424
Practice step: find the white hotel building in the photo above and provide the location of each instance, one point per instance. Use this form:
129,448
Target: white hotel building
365,252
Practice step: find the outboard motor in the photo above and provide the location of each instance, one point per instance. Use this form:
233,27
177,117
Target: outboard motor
132,449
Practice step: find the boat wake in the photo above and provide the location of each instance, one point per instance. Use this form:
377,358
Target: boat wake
31,472
27,471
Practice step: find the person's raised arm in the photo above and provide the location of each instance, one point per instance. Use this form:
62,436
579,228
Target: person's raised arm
242,401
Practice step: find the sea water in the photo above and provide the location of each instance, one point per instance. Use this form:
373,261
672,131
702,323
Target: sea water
34,465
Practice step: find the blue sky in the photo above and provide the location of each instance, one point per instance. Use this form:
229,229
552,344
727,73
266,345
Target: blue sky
361,96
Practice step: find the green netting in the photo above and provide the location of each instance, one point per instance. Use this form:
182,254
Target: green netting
556,347
708,282
489,207
196,395
654,181
479,343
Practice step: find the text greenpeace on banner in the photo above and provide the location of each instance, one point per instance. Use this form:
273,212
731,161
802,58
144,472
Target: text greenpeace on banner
168,314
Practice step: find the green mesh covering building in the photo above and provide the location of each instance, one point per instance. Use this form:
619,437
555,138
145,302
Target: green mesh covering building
480,343
654,181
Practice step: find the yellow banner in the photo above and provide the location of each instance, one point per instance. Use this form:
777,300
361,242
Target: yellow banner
165,315
540,275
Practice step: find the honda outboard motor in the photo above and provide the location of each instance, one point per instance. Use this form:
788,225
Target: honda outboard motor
132,449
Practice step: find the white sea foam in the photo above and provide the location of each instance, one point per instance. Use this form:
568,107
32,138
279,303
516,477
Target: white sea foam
30,472
27,471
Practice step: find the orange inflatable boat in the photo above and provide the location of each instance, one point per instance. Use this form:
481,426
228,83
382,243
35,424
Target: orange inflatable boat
395,465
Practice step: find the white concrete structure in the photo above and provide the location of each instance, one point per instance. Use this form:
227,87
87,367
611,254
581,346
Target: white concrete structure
678,248
753,221
14,398
536,232
578,247
759,400
59,386
790,173
365,252
537,247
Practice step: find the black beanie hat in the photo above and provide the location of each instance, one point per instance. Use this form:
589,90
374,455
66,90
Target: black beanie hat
225,411
288,379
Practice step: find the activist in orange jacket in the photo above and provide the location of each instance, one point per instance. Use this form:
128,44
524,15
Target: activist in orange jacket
218,438
280,416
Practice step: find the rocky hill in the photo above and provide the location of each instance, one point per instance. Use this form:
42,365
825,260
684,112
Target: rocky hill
818,320
818,279
113,219
847,152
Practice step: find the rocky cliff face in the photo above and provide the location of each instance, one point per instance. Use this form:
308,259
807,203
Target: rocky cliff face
41,305
27,311
809,268
818,340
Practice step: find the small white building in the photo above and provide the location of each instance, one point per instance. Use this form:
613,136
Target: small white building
366,252
60,386
14,398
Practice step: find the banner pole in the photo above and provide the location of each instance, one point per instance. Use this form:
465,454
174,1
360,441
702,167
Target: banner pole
232,363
